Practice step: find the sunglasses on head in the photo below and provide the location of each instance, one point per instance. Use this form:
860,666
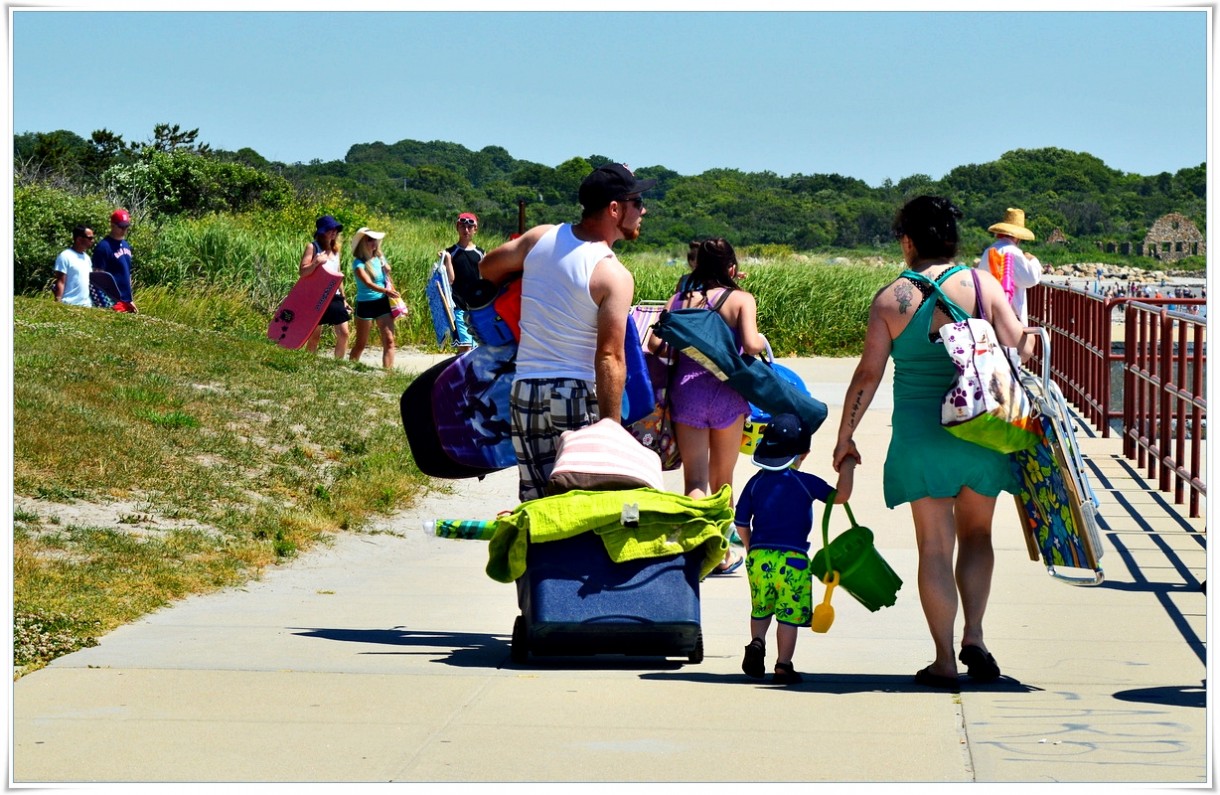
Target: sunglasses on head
468,222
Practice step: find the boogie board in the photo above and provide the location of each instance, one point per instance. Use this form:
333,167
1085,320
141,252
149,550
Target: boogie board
440,306
470,407
419,422
298,314
1057,506
103,292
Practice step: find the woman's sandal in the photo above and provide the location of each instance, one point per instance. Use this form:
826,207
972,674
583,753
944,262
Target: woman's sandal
980,665
926,678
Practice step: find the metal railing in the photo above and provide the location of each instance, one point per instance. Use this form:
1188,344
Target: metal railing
1152,385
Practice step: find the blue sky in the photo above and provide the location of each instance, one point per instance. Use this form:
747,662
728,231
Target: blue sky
871,95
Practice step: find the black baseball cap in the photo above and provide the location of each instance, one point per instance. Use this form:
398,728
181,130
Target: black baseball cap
784,439
609,183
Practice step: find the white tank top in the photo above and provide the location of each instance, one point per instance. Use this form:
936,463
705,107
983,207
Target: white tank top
558,316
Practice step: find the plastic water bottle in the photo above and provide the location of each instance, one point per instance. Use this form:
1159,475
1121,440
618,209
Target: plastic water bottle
466,529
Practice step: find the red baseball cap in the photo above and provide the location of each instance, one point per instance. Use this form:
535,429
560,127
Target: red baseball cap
468,217
120,217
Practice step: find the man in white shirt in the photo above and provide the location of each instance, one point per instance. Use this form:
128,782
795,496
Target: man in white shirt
72,268
1015,270
575,298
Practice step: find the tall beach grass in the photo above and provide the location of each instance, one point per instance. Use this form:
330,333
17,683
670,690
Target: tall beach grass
229,272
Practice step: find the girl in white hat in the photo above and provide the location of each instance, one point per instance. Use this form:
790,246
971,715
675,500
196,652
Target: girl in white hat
375,295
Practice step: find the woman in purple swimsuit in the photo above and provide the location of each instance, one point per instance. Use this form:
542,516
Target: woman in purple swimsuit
708,416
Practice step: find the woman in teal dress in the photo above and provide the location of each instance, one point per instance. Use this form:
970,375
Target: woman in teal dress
950,484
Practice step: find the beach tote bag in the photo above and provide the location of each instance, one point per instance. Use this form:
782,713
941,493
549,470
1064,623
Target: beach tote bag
655,430
987,403
706,338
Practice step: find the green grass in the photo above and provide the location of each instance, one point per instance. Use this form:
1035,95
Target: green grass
268,450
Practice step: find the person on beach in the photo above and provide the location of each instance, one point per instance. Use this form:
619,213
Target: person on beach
462,268
72,268
709,415
322,249
374,295
1004,259
692,252
951,484
774,518
575,298
113,255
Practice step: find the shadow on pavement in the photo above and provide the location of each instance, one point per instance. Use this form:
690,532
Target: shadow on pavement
464,649
1169,695
480,650
843,684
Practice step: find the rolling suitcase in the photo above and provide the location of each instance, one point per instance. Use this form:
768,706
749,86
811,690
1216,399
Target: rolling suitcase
576,601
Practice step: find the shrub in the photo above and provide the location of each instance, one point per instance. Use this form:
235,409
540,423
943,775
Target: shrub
167,183
43,218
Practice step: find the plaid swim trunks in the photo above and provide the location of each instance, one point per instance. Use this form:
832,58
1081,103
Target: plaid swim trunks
542,409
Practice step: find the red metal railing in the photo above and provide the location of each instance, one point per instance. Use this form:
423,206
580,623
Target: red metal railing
1162,408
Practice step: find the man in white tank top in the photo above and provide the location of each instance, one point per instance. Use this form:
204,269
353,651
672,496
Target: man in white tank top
575,298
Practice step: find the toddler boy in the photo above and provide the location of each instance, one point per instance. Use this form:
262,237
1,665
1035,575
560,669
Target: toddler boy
774,518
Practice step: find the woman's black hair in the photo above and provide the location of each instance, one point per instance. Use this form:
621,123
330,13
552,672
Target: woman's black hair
931,224
714,263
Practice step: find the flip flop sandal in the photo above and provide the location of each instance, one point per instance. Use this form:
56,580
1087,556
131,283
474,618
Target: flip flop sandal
732,567
754,664
926,678
980,665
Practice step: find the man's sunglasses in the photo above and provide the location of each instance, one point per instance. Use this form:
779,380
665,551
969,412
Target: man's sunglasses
638,201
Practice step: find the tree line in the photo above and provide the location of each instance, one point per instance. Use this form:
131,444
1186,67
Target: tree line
174,173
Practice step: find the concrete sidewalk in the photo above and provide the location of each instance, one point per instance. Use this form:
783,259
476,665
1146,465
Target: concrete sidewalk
386,658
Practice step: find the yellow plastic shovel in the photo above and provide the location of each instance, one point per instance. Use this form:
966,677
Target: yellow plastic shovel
824,614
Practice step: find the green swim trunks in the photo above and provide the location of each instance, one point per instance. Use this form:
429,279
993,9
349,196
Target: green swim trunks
780,586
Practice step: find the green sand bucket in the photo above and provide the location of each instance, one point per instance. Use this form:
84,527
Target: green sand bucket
863,573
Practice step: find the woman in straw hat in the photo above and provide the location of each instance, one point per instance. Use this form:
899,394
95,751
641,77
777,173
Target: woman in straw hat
375,294
951,484
1012,267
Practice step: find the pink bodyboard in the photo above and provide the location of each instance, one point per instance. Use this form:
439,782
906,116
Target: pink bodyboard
298,314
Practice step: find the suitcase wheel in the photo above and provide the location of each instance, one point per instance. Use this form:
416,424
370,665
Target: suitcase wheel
696,655
520,647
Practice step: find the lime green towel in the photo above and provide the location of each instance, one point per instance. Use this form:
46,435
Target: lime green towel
669,524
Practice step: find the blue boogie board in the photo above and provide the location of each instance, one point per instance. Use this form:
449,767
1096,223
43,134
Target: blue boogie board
638,397
470,407
440,306
759,415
